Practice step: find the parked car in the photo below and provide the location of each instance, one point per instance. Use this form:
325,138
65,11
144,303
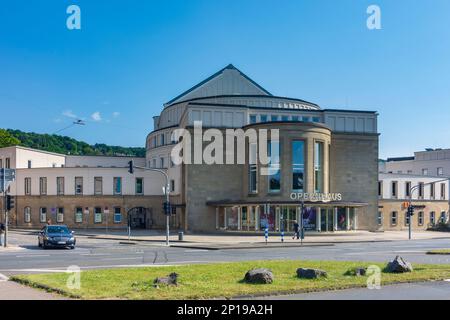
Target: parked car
56,236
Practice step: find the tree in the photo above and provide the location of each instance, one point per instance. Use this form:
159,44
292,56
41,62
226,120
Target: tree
7,139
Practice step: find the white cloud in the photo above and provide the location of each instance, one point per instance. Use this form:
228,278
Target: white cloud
69,114
96,116
116,114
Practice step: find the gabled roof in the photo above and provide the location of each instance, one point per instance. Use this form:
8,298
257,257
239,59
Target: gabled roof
215,76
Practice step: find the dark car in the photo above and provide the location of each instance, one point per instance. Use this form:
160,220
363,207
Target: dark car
56,236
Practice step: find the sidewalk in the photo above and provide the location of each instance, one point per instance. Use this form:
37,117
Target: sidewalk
13,291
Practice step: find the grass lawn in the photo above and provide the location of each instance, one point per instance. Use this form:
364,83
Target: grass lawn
440,251
221,280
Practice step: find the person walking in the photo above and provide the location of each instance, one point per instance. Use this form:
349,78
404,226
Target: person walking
296,230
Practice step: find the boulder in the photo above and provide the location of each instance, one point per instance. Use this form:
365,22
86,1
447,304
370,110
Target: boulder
261,276
311,273
171,280
399,265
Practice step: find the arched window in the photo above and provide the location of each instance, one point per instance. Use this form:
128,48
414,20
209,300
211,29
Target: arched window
27,214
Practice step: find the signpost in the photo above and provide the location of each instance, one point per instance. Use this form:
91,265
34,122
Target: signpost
7,176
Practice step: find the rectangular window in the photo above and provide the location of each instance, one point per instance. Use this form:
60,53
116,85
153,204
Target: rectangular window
263,118
27,214
162,139
407,189
7,163
440,171
306,119
1,163
273,118
443,218
98,185
394,190
252,119
78,185
421,190
284,118
60,215
420,218
318,166
424,172
79,215
432,191
29,164
42,185
274,166
432,218
295,118
161,161
380,189
139,186
117,215
60,186
393,218
117,185
98,215
252,169
380,218
443,191
172,185
316,119
298,165
27,186
154,163
43,215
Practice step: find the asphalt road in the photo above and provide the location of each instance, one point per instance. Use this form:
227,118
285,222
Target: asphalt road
95,253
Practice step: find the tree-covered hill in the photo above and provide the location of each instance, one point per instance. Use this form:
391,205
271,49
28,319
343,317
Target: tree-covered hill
62,144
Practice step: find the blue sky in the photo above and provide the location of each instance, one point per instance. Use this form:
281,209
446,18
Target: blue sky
132,56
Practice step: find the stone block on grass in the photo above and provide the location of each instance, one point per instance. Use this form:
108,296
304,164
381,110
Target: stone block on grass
311,273
259,276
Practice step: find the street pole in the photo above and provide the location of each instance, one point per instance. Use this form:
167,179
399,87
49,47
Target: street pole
167,194
5,242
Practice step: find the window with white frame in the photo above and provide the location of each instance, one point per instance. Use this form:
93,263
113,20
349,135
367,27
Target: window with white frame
443,191
117,181
432,191
98,185
394,189
78,215
78,185
60,215
440,171
60,186
394,218
420,218
27,186
98,215
42,185
421,190
443,218
380,218
27,214
139,186
380,189
432,218
408,189
43,215
117,215
424,172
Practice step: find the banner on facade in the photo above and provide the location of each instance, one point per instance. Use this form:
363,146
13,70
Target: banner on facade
316,197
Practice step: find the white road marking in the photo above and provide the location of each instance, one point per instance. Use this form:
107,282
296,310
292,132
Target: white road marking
95,254
3,278
197,250
131,258
33,256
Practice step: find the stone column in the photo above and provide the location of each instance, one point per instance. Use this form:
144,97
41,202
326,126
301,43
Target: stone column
217,218
347,217
335,216
355,220
277,218
225,211
239,219
318,221
257,218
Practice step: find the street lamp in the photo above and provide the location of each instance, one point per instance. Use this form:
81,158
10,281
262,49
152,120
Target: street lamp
166,191
410,207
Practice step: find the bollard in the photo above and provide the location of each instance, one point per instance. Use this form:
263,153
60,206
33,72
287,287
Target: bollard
282,236
180,236
266,234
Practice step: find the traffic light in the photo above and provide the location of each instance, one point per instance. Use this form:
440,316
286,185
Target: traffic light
410,211
130,167
9,202
167,208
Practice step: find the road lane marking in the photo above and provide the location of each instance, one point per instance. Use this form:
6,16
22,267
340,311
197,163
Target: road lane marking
197,250
131,258
95,254
33,255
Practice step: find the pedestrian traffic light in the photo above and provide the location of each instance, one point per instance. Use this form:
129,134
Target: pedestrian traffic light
9,202
131,167
167,208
